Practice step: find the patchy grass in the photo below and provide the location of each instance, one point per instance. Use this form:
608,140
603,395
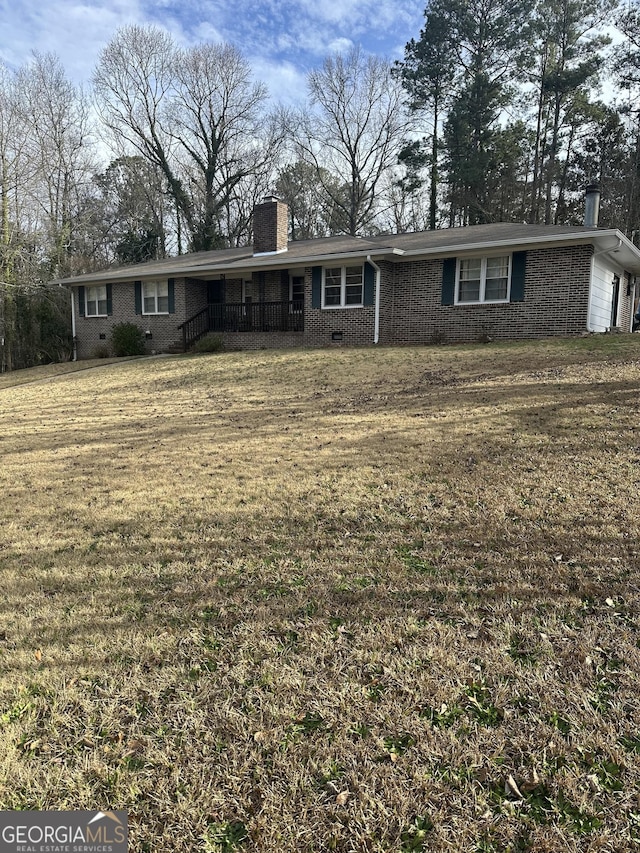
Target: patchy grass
353,600
48,372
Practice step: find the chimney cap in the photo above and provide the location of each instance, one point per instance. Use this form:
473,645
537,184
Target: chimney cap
592,188
270,199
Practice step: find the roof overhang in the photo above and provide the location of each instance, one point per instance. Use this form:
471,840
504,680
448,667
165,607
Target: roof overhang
607,242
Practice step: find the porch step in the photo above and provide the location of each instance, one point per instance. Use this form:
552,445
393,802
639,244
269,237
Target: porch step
176,348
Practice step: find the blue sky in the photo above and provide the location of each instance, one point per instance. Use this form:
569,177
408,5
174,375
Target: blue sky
282,39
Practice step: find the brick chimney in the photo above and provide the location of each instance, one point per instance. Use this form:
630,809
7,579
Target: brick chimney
270,226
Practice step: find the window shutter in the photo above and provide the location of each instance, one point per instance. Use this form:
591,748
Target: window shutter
81,301
448,281
109,300
369,284
518,268
137,288
316,287
172,295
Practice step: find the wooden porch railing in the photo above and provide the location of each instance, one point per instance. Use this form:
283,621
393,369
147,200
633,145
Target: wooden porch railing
243,317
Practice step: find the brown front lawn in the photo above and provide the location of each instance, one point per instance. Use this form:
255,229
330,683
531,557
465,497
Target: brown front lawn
352,600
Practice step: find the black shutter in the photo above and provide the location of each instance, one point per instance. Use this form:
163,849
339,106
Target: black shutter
81,301
518,269
109,299
137,289
369,284
171,290
316,287
448,281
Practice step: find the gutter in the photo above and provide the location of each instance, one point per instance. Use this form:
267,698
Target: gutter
234,267
376,322
548,239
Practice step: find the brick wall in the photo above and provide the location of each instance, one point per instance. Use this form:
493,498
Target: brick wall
555,303
163,327
270,226
262,340
195,296
355,324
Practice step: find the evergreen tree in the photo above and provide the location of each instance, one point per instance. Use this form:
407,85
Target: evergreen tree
427,74
491,50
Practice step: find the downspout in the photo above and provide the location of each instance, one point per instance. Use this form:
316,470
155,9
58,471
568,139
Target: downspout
74,356
376,321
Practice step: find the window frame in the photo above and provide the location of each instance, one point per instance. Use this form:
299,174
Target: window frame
97,300
482,300
246,295
343,287
144,296
296,305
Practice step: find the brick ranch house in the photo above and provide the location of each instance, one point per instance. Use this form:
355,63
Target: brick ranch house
502,281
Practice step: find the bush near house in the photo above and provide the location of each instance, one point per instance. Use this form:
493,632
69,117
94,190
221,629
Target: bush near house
127,339
209,343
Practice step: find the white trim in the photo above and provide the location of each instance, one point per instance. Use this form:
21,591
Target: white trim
274,252
155,282
489,246
628,256
343,287
97,300
483,281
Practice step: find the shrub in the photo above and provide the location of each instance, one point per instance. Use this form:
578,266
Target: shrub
101,351
210,343
127,339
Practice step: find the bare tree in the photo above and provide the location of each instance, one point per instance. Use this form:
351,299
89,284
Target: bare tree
60,154
44,161
10,160
353,130
195,114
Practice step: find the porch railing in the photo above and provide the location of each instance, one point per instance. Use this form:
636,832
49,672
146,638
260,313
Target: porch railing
244,317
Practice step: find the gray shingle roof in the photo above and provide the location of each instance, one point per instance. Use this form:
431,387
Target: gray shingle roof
391,246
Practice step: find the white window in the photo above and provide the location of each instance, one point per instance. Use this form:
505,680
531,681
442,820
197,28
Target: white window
296,294
155,297
247,291
247,296
483,279
342,287
96,301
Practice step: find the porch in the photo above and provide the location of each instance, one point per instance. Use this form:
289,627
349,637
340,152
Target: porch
246,317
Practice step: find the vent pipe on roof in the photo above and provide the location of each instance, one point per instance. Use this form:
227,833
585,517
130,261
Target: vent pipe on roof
592,206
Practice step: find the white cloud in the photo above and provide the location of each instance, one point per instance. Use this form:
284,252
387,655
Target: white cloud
75,31
286,84
340,45
282,39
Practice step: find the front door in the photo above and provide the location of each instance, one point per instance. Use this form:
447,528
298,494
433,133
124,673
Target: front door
215,299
